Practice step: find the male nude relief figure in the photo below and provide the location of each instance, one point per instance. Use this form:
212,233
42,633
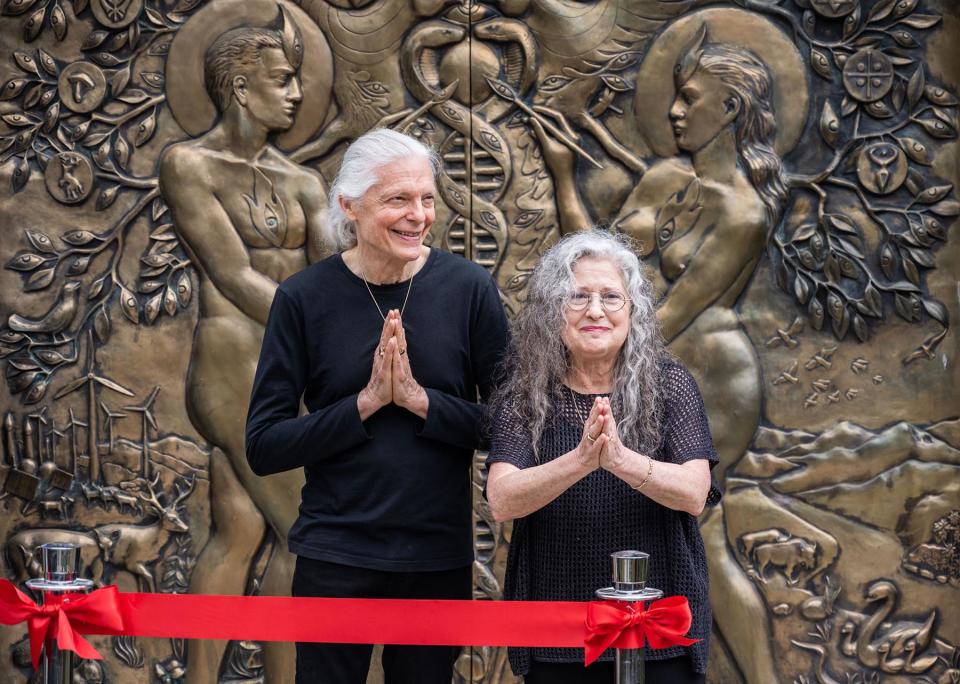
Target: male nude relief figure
248,218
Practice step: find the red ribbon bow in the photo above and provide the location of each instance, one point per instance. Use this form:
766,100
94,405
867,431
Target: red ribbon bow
63,618
630,625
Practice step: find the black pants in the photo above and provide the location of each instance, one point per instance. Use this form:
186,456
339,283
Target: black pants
348,663
669,671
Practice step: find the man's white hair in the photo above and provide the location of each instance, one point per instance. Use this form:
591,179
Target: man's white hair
360,171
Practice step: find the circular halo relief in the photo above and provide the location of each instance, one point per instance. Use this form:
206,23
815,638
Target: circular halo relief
187,96
882,168
655,87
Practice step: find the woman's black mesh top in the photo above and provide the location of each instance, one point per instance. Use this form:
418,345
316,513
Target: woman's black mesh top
562,552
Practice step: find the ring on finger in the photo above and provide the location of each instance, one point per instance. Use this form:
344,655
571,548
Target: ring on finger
380,351
591,439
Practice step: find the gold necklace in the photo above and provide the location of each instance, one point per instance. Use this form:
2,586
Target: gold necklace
376,303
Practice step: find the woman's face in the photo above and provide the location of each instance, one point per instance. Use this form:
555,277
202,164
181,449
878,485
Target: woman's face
394,216
595,334
703,107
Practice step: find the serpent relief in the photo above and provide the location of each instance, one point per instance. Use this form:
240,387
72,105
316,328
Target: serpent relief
787,169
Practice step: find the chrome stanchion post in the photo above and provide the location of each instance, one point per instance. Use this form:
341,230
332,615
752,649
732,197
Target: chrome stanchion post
61,565
630,586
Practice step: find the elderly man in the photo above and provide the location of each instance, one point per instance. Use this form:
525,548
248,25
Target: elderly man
392,346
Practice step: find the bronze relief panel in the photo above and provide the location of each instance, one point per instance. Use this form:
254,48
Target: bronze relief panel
787,169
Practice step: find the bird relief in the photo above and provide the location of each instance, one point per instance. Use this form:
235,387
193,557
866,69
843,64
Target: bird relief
896,647
267,213
57,317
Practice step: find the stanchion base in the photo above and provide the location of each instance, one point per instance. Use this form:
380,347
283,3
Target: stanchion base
75,585
611,594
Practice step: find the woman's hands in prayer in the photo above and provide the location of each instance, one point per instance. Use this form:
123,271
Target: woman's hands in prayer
594,439
615,457
600,445
391,380
612,457
682,487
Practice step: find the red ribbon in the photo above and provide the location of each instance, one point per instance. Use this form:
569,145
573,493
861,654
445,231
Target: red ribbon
63,618
629,625
550,624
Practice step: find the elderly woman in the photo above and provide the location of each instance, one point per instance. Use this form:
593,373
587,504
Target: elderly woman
705,217
599,444
387,343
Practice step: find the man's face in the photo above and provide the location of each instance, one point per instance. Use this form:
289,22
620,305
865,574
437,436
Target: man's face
394,216
273,90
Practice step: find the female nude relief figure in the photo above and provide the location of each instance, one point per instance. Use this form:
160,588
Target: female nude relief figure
705,218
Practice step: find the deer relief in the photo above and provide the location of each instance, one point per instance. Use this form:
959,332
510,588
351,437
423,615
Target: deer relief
71,186
135,548
109,494
58,508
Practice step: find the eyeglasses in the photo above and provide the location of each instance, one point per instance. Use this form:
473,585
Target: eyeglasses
611,300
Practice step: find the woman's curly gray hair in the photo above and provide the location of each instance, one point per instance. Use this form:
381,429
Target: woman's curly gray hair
538,361
359,171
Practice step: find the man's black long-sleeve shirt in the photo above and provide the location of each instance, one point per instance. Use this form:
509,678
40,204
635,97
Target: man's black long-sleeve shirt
393,492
